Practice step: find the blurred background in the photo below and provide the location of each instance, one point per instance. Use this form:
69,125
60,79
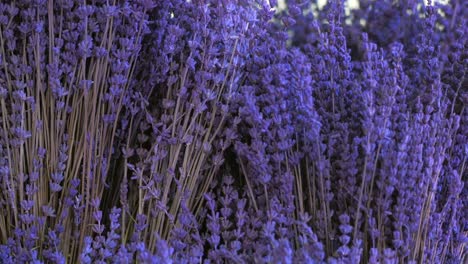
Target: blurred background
351,3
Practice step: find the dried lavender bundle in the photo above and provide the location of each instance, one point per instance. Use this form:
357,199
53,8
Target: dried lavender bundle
233,131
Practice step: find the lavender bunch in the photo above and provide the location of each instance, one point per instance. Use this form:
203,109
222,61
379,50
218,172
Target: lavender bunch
394,81
177,117
65,68
237,131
